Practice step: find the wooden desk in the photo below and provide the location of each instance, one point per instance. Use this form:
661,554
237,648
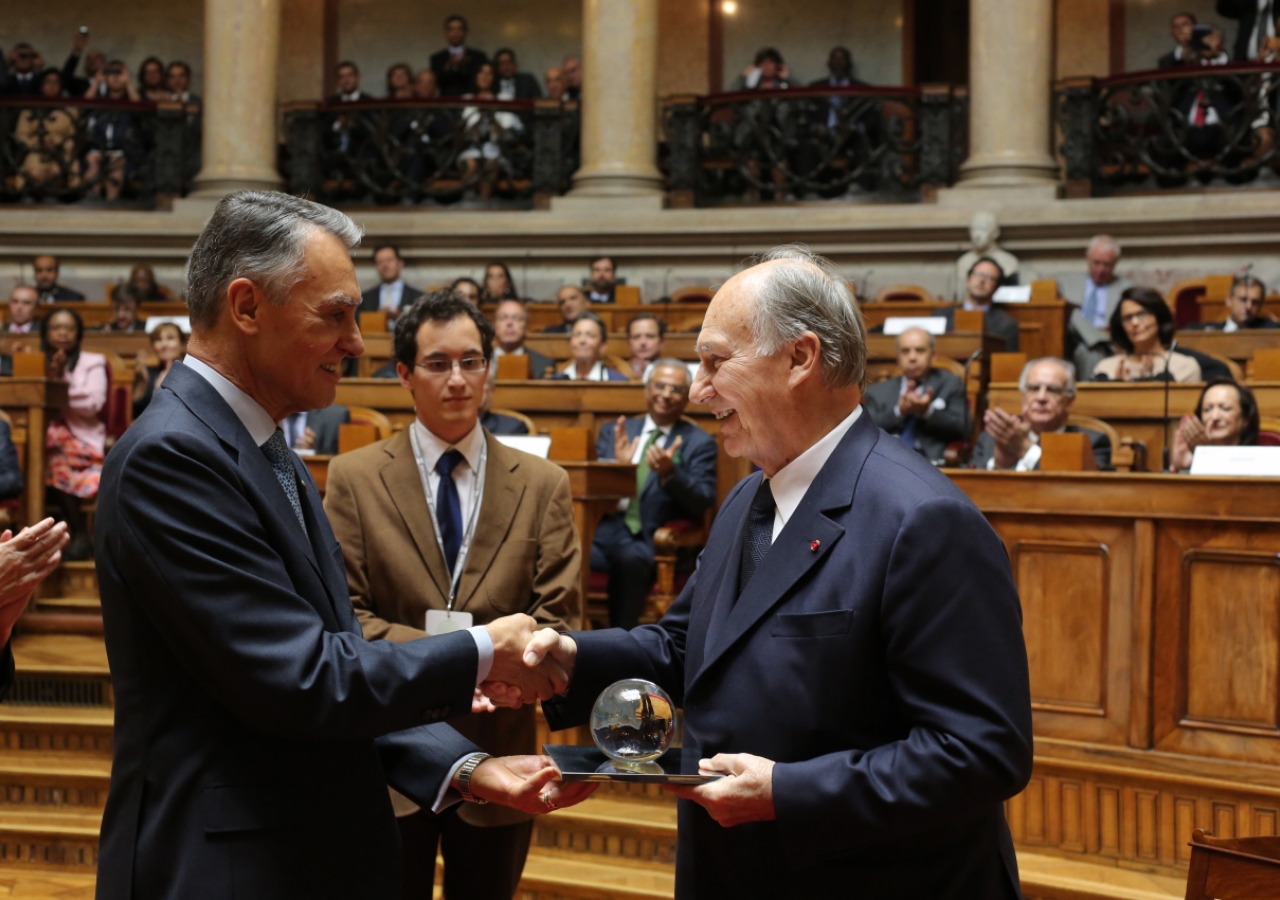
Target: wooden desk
1151,608
30,404
678,316
1041,325
1215,310
1238,346
96,314
1137,410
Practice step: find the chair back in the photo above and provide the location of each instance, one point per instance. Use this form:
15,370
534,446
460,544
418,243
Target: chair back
693,295
1269,433
613,361
1185,297
1233,868
1096,424
117,412
901,292
363,415
1232,366
528,422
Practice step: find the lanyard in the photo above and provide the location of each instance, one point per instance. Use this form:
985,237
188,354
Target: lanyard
424,473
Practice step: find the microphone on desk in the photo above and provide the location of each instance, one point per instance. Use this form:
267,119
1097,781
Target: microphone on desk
1167,378
968,415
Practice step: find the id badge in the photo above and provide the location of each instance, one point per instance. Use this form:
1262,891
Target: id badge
441,621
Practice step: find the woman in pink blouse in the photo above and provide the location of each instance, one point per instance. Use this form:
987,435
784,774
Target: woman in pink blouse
75,441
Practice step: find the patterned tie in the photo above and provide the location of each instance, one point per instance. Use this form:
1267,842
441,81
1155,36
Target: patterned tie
759,537
280,456
449,507
632,518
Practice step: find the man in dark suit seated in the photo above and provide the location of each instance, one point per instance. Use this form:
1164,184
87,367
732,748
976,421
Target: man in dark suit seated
124,312
675,479
850,648
1244,308
511,321
47,269
391,294
456,65
316,430
22,311
497,423
1048,388
985,276
573,303
513,84
603,284
924,406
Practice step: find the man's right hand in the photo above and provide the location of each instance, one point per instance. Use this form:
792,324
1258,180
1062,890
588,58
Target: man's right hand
623,449
544,648
1012,435
519,676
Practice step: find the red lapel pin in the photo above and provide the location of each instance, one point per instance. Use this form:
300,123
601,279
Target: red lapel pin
815,545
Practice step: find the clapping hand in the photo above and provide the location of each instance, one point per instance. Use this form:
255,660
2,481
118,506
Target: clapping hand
1012,436
744,795
545,647
663,461
914,401
1190,434
25,560
530,784
519,676
624,449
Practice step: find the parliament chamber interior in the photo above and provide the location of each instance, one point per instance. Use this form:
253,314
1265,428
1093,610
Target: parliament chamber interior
1059,221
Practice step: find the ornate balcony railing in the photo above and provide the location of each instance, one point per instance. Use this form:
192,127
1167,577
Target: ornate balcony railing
853,143
1168,128
410,152
68,150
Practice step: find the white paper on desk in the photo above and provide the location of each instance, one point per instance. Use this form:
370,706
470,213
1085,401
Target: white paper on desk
1238,461
1012,294
931,324
183,322
536,444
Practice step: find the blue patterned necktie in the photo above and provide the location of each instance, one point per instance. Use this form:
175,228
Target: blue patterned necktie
449,508
281,459
759,537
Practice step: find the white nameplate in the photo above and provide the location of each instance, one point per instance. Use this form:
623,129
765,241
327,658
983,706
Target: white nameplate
534,444
183,322
1238,461
931,324
441,621
1013,294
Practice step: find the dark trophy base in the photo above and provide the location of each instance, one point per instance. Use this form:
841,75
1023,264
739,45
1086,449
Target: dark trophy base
589,764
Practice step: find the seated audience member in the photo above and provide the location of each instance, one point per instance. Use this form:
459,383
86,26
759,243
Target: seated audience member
456,65
24,76
151,84
348,83
178,83
554,79
646,334
1226,416
22,310
1244,308
603,284
1048,388
49,137
513,84
511,321
391,294
400,82
497,423
1182,54
46,274
75,442
467,289
316,431
124,311
839,70
571,71
169,345
572,303
924,406
984,277
414,515
767,72
142,285
1095,294
424,86
497,283
1142,329
675,479
587,344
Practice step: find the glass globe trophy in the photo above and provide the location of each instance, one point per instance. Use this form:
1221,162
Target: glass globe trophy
632,723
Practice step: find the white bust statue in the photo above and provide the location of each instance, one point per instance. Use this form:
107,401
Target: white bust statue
983,233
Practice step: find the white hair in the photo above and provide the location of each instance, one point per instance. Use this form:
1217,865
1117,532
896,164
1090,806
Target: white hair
1103,242
1066,367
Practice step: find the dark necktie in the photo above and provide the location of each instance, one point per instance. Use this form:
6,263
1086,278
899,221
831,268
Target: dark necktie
759,537
281,459
449,508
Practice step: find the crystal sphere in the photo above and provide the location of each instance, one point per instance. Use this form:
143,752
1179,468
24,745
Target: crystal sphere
633,721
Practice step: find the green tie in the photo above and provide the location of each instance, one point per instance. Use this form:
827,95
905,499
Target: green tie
632,517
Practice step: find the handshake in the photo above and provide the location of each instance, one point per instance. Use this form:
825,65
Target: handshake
528,664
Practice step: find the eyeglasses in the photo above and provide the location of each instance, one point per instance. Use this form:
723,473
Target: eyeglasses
468,365
660,388
1137,317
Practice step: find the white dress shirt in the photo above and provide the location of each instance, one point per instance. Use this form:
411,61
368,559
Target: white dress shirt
1230,326
596,373
390,295
791,482
15,328
1029,460
427,450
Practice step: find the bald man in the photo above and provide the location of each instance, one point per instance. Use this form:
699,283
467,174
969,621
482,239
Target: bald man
925,406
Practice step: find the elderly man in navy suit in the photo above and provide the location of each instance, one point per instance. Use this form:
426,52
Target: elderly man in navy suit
849,653
675,479
256,729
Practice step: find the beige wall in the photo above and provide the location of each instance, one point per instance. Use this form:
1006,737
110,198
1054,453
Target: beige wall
301,50
683,36
1083,39
1146,25
804,31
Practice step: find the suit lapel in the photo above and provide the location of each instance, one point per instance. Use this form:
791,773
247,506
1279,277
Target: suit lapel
503,491
404,485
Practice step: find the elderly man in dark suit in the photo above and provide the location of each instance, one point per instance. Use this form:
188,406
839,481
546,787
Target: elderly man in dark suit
849,651
1048,388
456,65
924,406
256,729
1244,308
675,479
511,321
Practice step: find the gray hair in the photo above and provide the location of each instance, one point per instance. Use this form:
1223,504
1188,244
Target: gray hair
1067,367
933,340
668,362
261,236
1103,242
809,294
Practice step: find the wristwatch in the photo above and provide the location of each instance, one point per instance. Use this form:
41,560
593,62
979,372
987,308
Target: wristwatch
464,777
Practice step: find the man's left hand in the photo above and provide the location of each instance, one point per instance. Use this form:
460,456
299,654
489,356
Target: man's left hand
528,783
663,461
744,795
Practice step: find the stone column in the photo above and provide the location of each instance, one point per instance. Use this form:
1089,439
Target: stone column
241,53
619,111
1010,94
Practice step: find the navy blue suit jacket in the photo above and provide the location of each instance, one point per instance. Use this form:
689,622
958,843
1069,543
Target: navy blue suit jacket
690,490
256,730
877,656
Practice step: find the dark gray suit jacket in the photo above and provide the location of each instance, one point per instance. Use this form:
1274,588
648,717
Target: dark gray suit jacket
945,424
985,449
369,299
326,424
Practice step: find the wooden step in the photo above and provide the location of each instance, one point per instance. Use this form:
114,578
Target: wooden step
65,840
60,670
58,729
557,878
91,606
17,883
614,831
1047,877
51,780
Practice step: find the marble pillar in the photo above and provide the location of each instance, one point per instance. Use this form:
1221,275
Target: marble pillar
619,116
242,50
1010,94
